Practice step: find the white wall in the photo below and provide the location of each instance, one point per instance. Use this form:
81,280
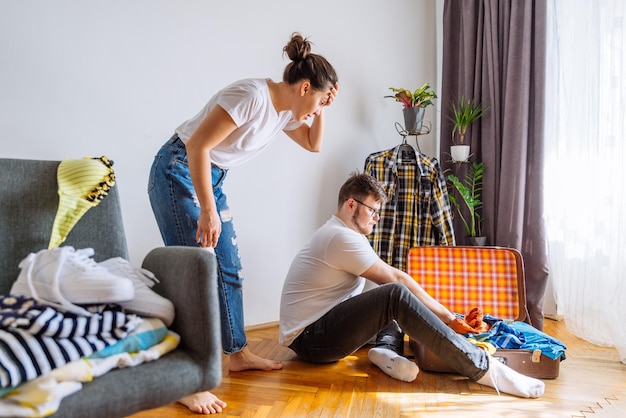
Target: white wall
114,78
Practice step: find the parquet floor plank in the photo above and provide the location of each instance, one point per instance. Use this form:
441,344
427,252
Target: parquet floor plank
592,383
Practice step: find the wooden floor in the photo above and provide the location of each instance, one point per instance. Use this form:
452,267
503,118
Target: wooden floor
592,383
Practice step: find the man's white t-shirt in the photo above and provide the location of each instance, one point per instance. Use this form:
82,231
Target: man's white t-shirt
323,274
249,104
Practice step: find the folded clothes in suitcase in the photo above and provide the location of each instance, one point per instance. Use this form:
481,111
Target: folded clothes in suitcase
491,279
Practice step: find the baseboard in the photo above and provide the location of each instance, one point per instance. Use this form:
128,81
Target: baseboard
553,317
265,325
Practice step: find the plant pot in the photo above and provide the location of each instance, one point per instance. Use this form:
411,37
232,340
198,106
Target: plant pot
476,241
460,153
413,117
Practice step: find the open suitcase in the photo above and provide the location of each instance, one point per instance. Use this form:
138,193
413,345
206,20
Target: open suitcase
490,278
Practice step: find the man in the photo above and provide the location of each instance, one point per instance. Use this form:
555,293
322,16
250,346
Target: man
325,316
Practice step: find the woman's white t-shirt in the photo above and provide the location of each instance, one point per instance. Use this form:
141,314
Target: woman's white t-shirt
323,274
249,104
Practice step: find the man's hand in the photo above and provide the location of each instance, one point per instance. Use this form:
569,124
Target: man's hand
461,327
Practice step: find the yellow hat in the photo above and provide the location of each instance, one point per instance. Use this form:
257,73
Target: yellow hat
82,185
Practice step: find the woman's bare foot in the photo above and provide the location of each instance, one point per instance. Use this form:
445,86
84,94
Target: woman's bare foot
203,403
207,403
246,360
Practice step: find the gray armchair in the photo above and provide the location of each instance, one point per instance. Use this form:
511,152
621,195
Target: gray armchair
188,277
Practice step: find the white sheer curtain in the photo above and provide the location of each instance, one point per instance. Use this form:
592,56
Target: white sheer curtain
585,160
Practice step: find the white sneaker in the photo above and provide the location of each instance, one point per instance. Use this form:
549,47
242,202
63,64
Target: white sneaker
146,302
62,277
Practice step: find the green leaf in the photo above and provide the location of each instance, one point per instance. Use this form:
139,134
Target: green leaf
469,191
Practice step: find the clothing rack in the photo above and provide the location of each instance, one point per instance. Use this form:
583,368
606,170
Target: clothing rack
404,133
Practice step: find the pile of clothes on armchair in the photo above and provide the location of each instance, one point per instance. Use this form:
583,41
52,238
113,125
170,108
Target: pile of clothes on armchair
69,319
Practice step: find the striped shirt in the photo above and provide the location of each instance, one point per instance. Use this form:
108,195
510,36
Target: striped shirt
35,338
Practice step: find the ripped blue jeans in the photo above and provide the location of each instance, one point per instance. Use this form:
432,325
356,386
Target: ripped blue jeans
176,210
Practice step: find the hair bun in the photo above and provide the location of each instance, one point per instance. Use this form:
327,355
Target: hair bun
298,47
305,65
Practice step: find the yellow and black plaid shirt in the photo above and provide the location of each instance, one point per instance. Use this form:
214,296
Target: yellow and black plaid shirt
418,210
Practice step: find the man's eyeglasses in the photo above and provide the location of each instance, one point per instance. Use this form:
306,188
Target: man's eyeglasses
373,212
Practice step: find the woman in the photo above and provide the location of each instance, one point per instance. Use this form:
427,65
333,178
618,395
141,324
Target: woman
186,178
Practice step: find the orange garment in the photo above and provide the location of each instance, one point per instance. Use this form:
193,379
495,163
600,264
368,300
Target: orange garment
475,320
473,323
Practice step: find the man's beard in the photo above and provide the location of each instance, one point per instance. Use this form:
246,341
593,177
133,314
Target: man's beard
363,230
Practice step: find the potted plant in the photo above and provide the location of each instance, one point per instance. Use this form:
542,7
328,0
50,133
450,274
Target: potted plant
415,104
464,113
469,191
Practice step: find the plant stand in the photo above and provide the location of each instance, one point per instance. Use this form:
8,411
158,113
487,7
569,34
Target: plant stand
404,133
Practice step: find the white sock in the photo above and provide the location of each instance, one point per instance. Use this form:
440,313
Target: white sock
393,364
503,378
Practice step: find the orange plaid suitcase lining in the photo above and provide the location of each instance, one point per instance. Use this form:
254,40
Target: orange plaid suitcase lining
462,278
